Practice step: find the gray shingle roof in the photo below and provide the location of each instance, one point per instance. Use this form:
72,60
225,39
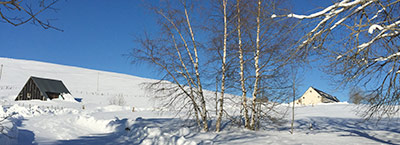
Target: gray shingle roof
50,85
326,95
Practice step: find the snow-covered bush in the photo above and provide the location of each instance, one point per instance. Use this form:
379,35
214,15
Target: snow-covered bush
117,100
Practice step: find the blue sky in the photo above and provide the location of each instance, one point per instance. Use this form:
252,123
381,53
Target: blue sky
98,33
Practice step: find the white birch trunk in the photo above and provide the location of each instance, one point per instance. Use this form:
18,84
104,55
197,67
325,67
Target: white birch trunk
196,68
221,99
257,71
242,81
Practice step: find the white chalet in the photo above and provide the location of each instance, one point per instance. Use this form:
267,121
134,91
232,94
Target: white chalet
314,96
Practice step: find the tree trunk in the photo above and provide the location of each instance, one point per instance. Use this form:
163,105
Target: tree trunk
294,97
216,95
242,81
196,68
189,81
221,100
257,71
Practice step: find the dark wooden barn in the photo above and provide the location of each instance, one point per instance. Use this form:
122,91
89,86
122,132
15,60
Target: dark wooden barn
42,89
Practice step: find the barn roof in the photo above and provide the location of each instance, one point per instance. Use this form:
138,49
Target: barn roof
326,95
50,85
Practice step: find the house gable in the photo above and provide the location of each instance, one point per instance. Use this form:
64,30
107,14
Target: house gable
315,96
30,91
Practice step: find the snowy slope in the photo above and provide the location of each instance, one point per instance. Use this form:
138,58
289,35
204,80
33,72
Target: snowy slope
95,122
93,86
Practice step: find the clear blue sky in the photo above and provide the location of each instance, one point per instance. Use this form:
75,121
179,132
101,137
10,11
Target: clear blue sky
98,33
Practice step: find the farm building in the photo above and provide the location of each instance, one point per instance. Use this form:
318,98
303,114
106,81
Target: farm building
42,89
314,96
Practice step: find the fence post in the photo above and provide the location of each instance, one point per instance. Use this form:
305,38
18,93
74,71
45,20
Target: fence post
1,71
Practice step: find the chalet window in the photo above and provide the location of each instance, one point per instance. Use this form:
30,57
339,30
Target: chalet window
28,95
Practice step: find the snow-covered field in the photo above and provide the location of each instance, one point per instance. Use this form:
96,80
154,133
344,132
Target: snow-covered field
95,121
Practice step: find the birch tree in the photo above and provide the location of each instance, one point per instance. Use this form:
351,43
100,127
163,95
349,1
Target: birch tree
175,52
222,51
269,40
241,24
361,40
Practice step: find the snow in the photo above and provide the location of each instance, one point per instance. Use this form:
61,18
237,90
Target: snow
338,57
113,108
354,7
95,121
68,97
331,10
373,27
388,57
8,132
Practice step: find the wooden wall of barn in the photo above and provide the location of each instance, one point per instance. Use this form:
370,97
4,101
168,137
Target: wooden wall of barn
29,92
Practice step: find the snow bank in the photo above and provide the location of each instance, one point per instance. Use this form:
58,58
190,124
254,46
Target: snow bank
173,140
68,97
15,113
96,125
34,110
150,132
8,129
9,132
113,108
334,103
2,111
48,121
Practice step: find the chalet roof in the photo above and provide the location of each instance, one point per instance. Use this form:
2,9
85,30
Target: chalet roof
326,95
50,85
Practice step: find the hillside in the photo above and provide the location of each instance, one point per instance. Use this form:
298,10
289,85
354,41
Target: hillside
93,86
95,122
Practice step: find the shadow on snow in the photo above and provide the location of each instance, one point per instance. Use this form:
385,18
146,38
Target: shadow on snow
352,127
171,130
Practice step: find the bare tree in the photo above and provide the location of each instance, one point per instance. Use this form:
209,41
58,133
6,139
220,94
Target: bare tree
295,83
117,100
240,55
254,58
270,41
18,12
359,96
361,40
178,58
223,56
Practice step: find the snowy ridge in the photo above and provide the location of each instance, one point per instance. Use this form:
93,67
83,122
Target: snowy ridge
91,85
